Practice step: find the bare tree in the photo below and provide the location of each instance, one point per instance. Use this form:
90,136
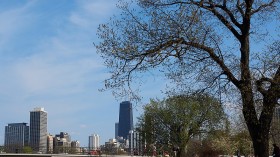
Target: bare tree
213,45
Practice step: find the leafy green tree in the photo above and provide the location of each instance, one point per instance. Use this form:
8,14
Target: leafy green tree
27,149
243,142
221,142
203,45
231,143
174,121
2,149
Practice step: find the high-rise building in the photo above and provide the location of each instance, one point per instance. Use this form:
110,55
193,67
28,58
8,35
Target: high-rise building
16,136
93,142
38,130
116,130
135,146
125,119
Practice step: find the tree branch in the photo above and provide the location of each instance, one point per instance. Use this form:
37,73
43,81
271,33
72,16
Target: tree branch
232,18
259,84
211,7
260,8
276,82
222,65
161,47
224,20
277,75
210,51
238,6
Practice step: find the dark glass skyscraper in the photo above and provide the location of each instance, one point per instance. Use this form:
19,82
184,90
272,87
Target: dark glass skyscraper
38,130
125,119
16,136
116,130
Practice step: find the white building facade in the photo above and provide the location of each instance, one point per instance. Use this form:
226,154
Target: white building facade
135,145
93,143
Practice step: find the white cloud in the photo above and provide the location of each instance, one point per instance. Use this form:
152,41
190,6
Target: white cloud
100,8
49,71
79,20
83,126
92,13
13,21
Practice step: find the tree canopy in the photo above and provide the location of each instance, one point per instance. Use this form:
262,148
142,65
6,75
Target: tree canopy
174,121
219,46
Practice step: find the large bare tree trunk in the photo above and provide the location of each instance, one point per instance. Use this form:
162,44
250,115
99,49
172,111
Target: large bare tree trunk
259,135
259,127
261,144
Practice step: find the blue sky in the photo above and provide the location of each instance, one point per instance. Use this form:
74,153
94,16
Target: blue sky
47,59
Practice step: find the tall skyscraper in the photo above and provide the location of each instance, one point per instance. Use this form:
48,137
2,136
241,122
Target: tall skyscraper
125,119
116,130
93,142
38,130
16,136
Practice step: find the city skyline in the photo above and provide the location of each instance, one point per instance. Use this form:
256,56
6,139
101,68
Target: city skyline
47,59
37,129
